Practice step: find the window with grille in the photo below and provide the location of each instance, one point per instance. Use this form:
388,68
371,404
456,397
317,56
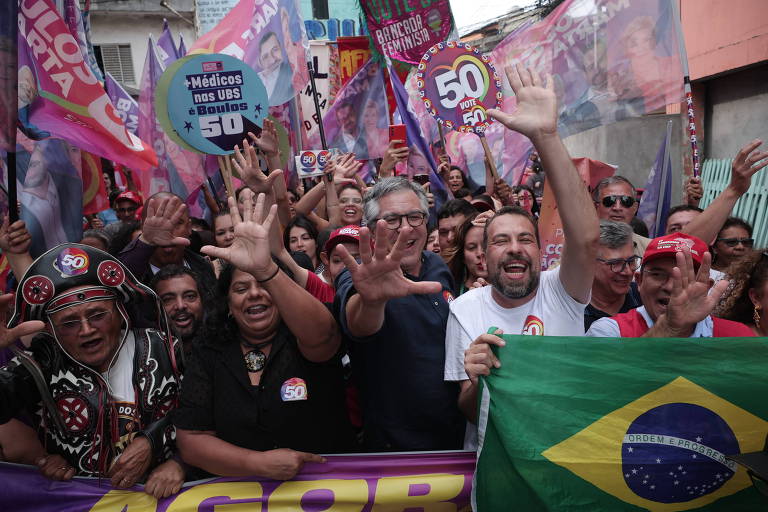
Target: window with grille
116,60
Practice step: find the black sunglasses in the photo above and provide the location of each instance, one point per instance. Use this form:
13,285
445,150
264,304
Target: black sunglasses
733,242
626,201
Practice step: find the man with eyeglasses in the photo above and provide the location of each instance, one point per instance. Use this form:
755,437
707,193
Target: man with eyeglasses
615,199
99,387
613,290
677,294
127,205
393,306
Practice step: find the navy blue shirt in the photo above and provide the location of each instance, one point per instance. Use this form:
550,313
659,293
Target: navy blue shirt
405,401
631,301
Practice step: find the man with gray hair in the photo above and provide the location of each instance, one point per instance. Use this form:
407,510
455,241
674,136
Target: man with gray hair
393,306
613,290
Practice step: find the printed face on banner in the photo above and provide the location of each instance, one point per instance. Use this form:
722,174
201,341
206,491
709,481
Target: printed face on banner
457,85
214,101
276,49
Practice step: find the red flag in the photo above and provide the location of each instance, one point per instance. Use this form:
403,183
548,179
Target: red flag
94,192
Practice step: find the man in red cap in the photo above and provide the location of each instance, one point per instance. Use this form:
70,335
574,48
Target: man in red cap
677,294
127,206
349,237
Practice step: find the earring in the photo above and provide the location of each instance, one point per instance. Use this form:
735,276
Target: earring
756,316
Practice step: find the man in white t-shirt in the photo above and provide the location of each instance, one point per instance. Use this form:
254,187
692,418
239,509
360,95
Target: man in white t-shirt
521,298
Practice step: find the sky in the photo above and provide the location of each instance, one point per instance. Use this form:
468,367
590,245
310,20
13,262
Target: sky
471,12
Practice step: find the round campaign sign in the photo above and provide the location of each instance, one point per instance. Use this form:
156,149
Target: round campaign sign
458,84
214,100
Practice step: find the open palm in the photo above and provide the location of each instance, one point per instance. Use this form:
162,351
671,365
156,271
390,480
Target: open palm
247,165
378,277
536,113
249,251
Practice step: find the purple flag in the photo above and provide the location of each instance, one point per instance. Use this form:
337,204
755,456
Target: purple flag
182,51
417,142
166,48
80,28
654,203
126,106
178,170
50,191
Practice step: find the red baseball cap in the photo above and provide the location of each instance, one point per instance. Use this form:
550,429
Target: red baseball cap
130,195
669,245
341,235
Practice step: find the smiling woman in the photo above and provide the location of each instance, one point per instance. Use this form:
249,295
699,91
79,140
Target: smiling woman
273,369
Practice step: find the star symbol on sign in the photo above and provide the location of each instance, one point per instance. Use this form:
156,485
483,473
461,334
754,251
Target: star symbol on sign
717,475
629,449
694,455
634,471
257,108
698,439
676,482
653,487
679,468
658,461
626,475
187,126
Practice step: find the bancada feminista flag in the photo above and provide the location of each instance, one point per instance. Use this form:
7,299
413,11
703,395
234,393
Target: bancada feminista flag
588,424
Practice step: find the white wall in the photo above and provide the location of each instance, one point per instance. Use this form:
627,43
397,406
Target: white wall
119,28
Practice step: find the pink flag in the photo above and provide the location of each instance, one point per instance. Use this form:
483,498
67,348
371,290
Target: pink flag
60,96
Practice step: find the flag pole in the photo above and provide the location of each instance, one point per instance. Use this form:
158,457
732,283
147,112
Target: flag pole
665,171
687,89
317,104
11,62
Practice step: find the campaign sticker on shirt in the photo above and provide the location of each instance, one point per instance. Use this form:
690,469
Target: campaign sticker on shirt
71,262
294,389
533,326
447,295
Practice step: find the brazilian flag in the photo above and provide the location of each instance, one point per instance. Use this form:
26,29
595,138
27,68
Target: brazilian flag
596,424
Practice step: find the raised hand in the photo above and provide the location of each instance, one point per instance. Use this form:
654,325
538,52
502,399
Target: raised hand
693,191
392,155
8,336
250,251
247,164
131,465
479,358
379,278
267,140
14,239
346,166
747,162
163,215
691,300
536,113
503,191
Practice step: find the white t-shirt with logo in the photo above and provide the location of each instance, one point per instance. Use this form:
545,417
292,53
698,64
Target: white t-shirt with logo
552,312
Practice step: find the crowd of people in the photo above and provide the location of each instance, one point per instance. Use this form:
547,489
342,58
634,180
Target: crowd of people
346,317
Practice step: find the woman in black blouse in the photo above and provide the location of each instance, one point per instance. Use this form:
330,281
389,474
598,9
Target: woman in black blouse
269,387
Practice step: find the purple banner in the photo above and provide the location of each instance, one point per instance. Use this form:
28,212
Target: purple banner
405,30
413,481
127,107
357,120
657,194
80,29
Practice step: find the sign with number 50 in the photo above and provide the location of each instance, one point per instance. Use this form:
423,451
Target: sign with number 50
457,85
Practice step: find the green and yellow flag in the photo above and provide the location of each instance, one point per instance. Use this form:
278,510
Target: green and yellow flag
593,424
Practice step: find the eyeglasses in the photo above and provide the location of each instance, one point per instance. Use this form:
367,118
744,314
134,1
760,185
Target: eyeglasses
95,320
733,242
626,201
660,276
618,265
126,210
353,200
394,220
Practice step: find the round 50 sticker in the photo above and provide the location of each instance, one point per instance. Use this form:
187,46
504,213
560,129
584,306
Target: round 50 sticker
72,262
213,101
458,84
